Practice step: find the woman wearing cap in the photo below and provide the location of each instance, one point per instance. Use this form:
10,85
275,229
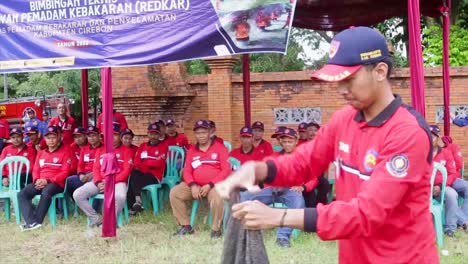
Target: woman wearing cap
127,140
174,138
383,153
453,213
150,163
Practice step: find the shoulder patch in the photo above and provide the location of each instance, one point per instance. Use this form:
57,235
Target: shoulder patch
398,166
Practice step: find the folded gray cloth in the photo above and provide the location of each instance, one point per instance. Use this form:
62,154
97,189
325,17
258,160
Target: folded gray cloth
242,246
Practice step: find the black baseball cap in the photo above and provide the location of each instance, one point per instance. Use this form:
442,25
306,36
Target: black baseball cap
202,124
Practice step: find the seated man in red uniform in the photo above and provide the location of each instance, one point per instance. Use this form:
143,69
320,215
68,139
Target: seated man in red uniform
18,148
302,128
456,152
50,171
206,164
150,163
162,126
79,142
35,140
262,146
125,163
312,129
173,137
247,151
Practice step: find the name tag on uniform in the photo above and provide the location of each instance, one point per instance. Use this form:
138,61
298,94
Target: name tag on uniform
41,162
144,154
86,158
196,164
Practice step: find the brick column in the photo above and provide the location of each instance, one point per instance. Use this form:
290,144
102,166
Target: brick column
220,94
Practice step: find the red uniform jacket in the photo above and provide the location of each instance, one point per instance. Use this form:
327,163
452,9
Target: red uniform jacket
67,128
87,158
244,157
125,160
208,167
264,148
76,151
457,156
41,144
152,159
25,151
118,119
382,185
301,141
217,139
444,156
53,166
134,149
179,140
4,129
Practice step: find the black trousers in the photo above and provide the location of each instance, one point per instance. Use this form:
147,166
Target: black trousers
312,198
138,180
25,197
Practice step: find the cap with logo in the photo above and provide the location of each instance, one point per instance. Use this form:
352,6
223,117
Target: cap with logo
246,132
127,131
313,124
259,125
154,128
170,122
289,132
212,123
350,50
302,127
16,130
434,129
202,124
52,130
79,131
93,130
278,131
31,130
29,110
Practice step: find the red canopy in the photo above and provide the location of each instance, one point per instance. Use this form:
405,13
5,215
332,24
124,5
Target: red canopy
336,15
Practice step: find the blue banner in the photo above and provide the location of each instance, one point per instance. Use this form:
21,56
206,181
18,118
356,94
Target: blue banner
44,35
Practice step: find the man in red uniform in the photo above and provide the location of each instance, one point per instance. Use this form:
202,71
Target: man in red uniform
206,164
303,137
86,160
18,148
125,163
127,140
65,122
456,152
246,151
262,146
117,119
383,153
49,173
312,129
162,125
79,142
174,138
35,140
4,132
150,163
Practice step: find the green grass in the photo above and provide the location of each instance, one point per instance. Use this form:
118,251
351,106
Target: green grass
148,239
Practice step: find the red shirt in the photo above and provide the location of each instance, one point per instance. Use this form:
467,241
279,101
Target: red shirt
117,119
4,129
382,185
25,151
444,156
457,156
53,166
42,144
76,150
217,139
243,157
179,140
152,159
203,168
301,141
264,148
134,149
87,158
67,128
124,159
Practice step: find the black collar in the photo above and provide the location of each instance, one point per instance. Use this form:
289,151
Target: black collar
247,153
197,146
153,145
383,116
57,149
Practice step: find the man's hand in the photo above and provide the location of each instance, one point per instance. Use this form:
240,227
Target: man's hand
255,215
436,191
245,177
298,189
86,177
38,147
204,190
5,182
40,184
195,192
101,187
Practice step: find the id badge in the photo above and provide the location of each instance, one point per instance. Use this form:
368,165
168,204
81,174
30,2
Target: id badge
86,158
196,164
41,162
144,154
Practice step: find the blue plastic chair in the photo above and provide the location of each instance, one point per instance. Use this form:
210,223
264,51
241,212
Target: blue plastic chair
15,167
228,145
436,206
52,211
235,163
277,148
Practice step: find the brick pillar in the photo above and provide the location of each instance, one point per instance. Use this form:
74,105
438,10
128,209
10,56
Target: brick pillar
220,94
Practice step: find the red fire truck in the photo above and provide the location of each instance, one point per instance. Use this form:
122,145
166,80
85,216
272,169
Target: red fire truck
14,110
